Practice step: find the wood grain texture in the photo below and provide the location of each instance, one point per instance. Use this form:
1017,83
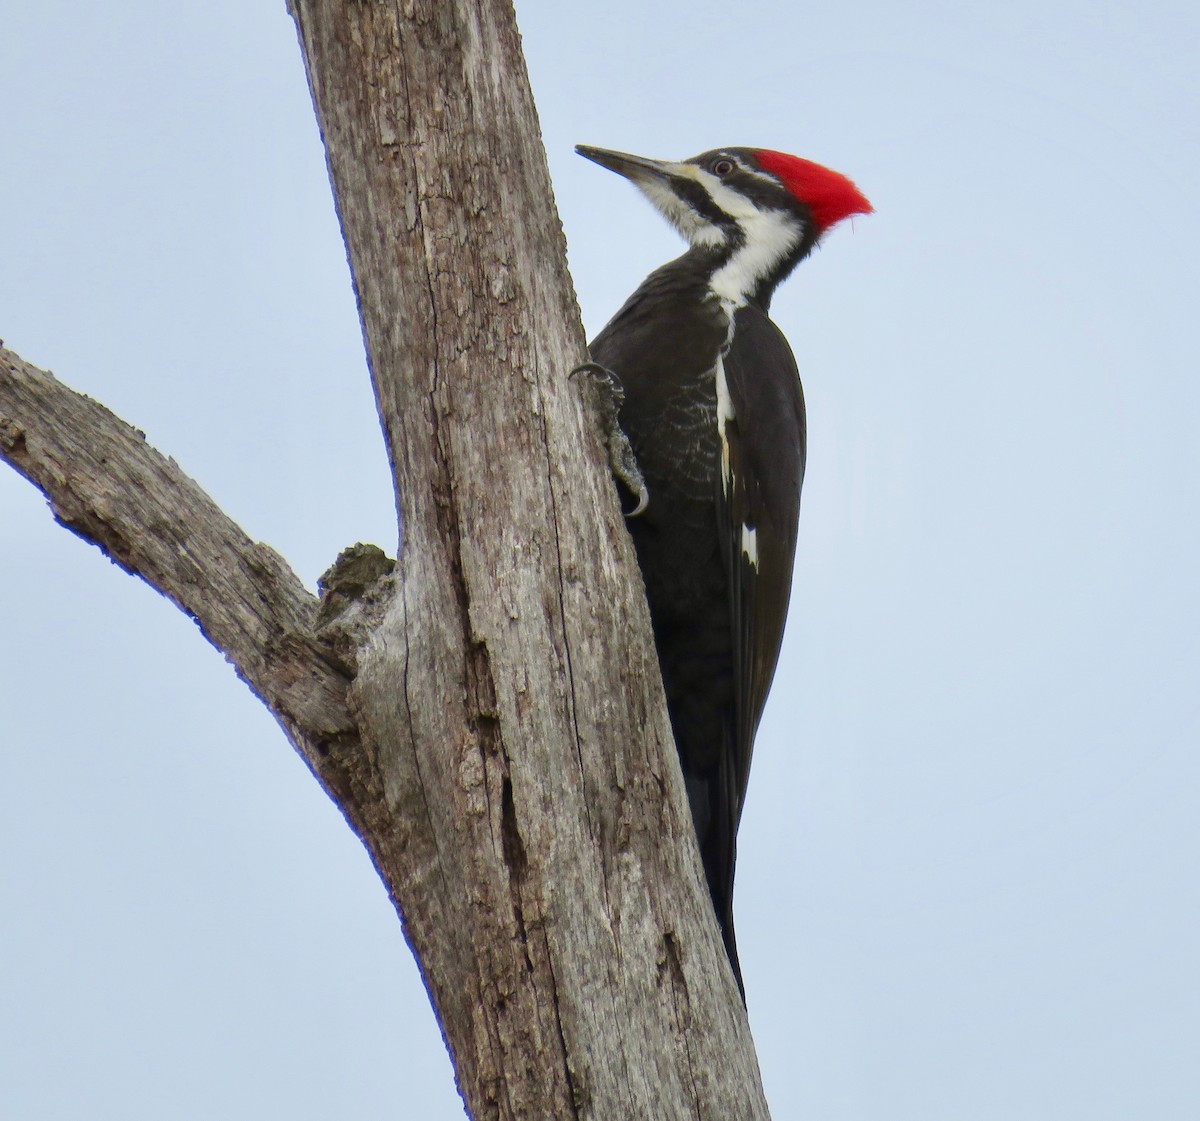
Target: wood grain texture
511,692
489,714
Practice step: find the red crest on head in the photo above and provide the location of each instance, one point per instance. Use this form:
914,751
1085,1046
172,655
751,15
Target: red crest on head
829,195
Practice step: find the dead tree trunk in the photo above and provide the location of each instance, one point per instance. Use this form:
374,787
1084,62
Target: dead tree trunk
487,712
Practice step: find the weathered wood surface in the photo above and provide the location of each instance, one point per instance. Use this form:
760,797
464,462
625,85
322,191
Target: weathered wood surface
488,715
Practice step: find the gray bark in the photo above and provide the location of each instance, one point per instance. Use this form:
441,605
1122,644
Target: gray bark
487,712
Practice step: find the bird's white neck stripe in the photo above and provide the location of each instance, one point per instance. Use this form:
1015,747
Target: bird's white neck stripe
770,235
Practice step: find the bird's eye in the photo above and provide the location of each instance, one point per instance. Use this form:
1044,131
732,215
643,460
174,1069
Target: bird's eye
723,167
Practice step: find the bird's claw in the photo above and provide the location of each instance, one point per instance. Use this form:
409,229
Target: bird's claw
621,460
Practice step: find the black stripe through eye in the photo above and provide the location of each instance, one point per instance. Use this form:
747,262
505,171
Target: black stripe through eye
700,201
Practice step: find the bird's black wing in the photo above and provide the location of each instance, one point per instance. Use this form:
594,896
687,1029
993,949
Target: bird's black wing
758,512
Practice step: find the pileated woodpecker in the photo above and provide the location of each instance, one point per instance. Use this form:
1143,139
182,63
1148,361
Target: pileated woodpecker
711,406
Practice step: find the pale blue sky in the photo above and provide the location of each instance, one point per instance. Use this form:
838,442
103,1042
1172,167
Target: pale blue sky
967,876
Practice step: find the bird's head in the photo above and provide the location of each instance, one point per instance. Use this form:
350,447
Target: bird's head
759,210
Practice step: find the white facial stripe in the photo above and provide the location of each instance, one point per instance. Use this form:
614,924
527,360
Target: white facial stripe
770,235
750,545
734,203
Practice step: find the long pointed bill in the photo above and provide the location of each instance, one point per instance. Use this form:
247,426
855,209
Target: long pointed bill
666,185
635,168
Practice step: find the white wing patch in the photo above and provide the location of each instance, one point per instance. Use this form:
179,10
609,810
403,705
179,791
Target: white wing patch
725,414
750,545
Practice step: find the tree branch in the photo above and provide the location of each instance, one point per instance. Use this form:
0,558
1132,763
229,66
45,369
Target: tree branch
489,716
106,484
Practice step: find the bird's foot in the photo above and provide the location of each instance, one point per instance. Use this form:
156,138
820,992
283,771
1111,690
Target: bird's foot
621,460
